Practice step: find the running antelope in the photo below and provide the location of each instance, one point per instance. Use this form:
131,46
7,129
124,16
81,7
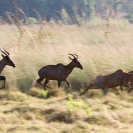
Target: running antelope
118,78
5,61
58,72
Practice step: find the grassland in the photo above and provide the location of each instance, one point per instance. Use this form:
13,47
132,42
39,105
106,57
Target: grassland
22,106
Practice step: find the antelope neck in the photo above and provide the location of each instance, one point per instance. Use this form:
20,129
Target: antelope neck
69,68
2,65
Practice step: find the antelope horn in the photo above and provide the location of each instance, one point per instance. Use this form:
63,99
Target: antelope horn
3,52
6,52
74,56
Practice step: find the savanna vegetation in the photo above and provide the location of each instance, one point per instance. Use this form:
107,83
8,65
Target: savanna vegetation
76,9
102,46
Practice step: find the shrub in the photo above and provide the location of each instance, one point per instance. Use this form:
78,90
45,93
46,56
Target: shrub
32,20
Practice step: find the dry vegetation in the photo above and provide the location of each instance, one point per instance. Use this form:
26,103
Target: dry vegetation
99,53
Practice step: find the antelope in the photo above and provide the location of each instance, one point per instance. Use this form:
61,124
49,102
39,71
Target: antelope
118,78
58,72
129,78
5,61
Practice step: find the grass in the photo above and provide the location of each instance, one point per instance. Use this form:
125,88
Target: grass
25,113
97,54
37,111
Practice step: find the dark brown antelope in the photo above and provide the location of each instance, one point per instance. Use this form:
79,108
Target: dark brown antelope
5,61
128,81
58,72
118,78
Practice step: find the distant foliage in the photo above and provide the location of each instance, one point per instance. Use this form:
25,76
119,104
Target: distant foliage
71,10
130,17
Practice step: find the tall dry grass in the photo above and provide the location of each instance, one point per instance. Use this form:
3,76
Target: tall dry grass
99,54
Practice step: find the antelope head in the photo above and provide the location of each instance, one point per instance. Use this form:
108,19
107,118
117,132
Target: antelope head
7,59
75,61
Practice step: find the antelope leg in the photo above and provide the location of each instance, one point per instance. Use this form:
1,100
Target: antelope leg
130,86
59,83
4,84
69,85
90,85
46,81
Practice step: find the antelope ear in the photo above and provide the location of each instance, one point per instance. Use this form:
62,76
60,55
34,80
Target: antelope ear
70,58
2,55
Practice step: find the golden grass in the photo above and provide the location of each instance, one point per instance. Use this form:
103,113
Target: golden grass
99,54
24,113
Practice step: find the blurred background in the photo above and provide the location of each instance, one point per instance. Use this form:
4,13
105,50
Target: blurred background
43,32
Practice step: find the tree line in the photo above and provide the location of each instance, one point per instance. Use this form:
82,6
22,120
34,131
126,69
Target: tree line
55,9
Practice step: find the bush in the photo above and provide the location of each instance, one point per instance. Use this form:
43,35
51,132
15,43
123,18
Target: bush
32,20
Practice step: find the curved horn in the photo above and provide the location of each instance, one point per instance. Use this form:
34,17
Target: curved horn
74,55
3,52
6,52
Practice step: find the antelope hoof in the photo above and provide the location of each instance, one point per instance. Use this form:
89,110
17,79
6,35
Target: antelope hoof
129,90
3,87
121,89
47,87
67,87
44,89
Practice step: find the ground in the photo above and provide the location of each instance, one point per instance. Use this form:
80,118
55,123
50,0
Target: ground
20,112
